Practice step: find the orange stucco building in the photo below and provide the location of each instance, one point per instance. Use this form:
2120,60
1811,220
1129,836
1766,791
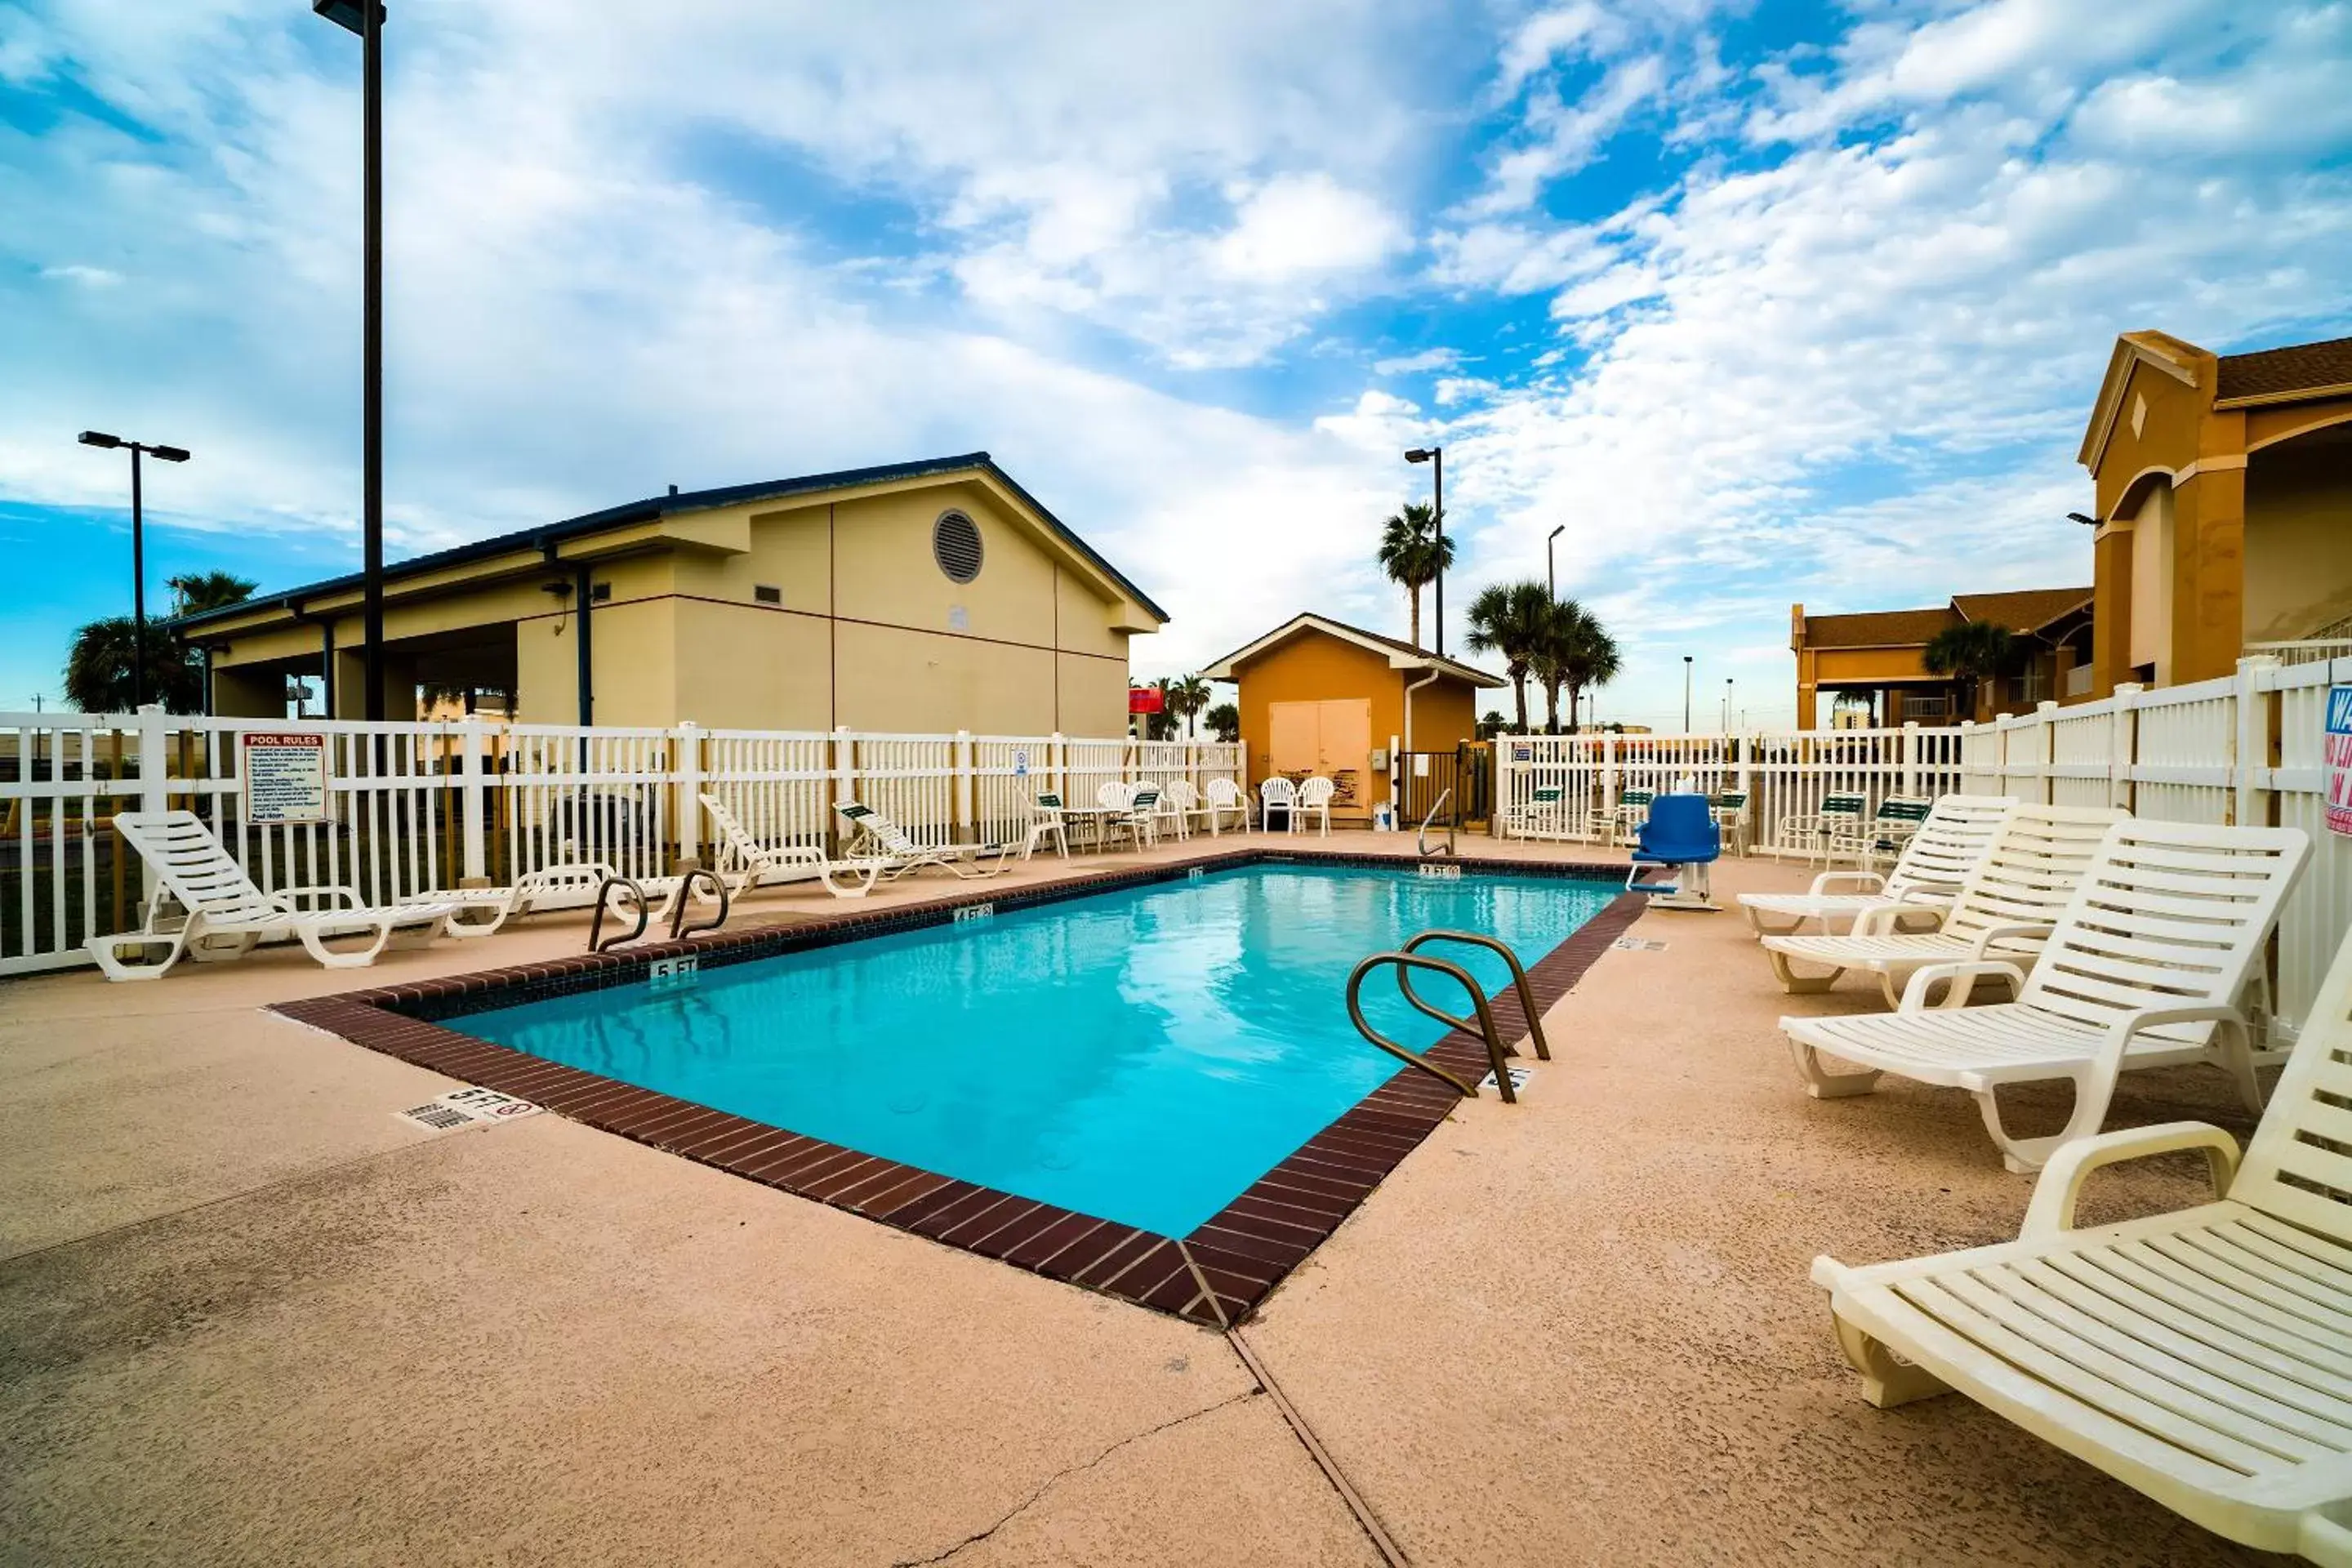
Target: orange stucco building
1318,696
1880,657
2224,505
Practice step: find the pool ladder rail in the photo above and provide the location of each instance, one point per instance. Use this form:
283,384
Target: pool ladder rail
1409,958
1421,839
679,929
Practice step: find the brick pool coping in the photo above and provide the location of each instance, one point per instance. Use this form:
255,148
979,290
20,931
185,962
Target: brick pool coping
1217,1275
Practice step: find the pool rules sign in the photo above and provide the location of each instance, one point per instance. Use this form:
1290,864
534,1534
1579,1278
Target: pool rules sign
2339,759
284,777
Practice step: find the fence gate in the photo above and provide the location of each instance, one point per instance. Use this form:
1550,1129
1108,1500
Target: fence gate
1463,778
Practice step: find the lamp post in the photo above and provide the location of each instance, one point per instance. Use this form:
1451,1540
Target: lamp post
367,21
1727,704
1435,457
1687,693
1552,570
138,550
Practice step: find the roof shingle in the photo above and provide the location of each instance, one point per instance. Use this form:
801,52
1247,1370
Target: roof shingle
2274,372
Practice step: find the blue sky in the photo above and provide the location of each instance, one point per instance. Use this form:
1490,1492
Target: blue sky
1764,302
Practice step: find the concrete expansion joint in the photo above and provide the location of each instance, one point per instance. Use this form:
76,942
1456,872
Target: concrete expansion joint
1389,1552
1050,1482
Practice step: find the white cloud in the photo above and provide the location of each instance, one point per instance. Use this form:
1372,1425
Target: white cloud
83,276
1427,359
1305,225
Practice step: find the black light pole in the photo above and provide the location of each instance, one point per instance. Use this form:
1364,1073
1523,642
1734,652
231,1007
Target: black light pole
1686,692
138,550
1551,569
367,21
1436,456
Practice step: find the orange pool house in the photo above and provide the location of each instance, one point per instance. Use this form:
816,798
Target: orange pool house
1377,716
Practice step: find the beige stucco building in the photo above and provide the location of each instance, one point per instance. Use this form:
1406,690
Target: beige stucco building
2224,501
928,596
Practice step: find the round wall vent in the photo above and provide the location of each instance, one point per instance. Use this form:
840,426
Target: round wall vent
955,545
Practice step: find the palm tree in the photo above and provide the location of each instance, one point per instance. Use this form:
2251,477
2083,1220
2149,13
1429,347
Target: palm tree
1514,620
1412,555
1225,719
1188,696
1972,653
97,664
194,593
1592,658
1548,660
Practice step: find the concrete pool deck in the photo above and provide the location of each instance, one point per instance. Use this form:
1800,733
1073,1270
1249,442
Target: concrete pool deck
247,1315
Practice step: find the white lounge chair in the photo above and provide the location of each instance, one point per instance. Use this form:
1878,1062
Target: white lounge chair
226,915
1277,794
2161,937
1221,796
1934,861
743,863
2202,1357
2008,905
481,911
901,854
1314,801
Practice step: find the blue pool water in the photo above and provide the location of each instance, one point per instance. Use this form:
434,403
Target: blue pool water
1141,1056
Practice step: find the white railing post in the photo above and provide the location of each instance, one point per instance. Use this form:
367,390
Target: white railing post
1608,777
2045,730
1911,757
687,770
962,812
1058,766
2122,745
472,829
2249,757
154,787
1396,783
845,765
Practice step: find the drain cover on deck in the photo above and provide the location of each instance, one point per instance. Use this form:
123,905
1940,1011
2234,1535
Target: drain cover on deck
1638,944
464,1107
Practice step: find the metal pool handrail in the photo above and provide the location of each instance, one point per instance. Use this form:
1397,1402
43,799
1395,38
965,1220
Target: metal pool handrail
596,924
1518,979
677,926
1484,1025
1421,840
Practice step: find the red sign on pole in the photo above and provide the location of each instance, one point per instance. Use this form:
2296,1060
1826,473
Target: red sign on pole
1144,698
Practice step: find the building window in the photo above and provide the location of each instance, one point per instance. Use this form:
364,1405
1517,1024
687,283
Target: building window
955,545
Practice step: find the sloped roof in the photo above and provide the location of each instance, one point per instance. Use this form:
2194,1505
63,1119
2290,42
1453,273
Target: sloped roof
2283,372
1877,628
654,507
1401,654
2025,610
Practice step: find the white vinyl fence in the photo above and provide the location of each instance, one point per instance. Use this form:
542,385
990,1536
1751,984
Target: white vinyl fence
415,807
2248,748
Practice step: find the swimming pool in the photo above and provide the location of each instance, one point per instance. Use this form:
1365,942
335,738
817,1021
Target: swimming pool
1142,1054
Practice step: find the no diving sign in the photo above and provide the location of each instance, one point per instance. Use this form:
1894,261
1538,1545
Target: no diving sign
284,777
2339,759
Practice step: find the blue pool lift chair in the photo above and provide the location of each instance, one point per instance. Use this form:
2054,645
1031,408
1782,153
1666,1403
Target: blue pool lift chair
1681,835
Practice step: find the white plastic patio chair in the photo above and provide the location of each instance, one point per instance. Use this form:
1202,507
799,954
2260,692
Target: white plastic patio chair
1610,823
1314,800
2166,931
1048,820
1277,794
1934,861
2201,1357
1180,803
1814,829
1223,796
1730,809
1543,814
900,855
745,864
2010,902
225,916
1881,836
1115,793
